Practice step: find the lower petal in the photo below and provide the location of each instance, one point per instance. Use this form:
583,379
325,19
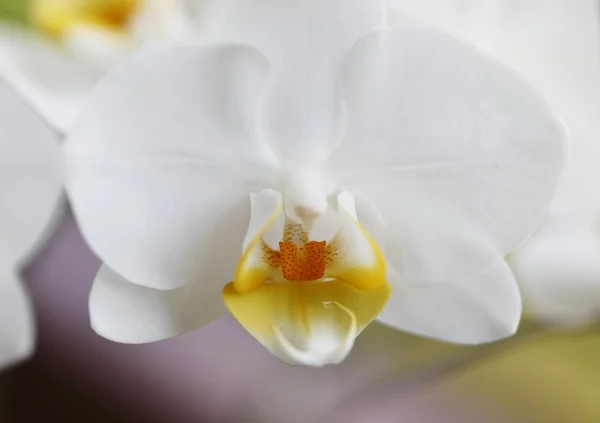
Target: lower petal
455,289
124,312
306,323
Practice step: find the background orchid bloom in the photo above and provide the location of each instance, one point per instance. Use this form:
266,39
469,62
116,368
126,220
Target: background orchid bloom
71,44
425,160
30,189
556,46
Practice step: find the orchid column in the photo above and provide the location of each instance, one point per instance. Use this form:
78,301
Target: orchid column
318,168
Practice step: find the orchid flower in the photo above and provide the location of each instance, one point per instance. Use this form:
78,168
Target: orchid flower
332,174
557,47
78,41
30,187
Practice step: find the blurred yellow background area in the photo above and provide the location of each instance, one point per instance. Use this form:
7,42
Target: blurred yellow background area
545,378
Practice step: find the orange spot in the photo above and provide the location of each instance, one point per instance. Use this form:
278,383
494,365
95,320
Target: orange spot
302,263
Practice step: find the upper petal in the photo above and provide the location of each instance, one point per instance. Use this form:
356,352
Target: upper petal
438,123
558,270
30,177
163,149
554,45
54,84
305,42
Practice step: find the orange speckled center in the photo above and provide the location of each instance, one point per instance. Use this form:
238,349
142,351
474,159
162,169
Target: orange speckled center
302,263
297,258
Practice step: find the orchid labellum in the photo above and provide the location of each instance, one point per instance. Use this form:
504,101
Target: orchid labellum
30,188
558,267
77,41
311,177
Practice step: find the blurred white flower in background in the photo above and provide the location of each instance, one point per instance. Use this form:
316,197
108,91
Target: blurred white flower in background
189,162
72,43
30,196
556,46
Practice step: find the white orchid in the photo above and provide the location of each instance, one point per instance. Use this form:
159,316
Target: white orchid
78,41
30,188
317,166
556,45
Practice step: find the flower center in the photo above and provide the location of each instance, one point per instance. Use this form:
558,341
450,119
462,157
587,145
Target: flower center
57,18
303,263
306,300
298,258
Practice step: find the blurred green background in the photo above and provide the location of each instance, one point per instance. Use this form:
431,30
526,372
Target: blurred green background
14,10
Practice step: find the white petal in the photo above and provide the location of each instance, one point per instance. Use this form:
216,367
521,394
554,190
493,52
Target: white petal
558,269
437,121
30,177
17,331
305,42
54,84
129,313
160,153
461,158
449,285
555,45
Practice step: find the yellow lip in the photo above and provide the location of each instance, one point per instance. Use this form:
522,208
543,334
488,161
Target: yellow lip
308,299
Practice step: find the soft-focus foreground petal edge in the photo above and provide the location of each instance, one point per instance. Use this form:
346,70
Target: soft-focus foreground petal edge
31,180
51,82
17,323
